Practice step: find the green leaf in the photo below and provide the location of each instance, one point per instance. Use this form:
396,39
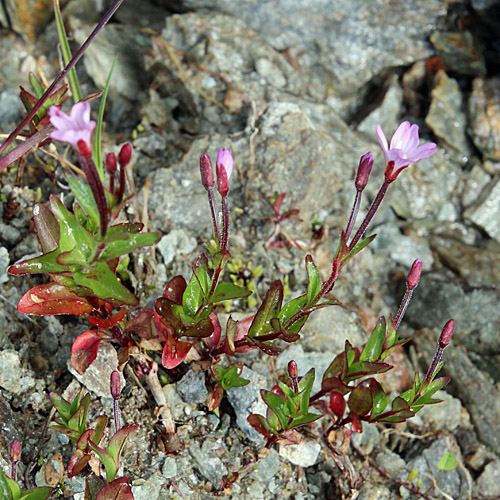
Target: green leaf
313,281
291,308
5,491
85,198
373,348
47,228
277,405
66,52
269,309
40,493
192,298
35,85
360,401
14,488
73,237
115,447
227,291
303,420
97,146
106,285
123,247
447,462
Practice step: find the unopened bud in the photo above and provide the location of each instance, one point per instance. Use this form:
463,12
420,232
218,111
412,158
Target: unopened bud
111,163
84,148
337,403
15,451
115,385
293,371
364,170
224,169
414,275
125,154
446,334
207,172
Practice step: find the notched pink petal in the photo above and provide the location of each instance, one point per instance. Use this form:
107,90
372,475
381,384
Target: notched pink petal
400,136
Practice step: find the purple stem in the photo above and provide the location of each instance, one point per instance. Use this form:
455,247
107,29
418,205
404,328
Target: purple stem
116,413
97,190
215,214
369,216
13,471
121,186
58,80
225,222
354,214
435,361
402,308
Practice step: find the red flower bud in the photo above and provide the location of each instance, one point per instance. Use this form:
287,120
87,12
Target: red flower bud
84,148
337,403
207,172
364,169
414,275
446,334
292,369
111,163
15,451
278,391
115,385
125,154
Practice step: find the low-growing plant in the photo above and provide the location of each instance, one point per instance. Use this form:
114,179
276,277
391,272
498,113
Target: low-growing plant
86,245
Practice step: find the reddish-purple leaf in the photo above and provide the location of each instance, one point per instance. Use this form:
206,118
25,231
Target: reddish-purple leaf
53,298
84,350
175,290
174,351
77,462
215,397
47,227
119,489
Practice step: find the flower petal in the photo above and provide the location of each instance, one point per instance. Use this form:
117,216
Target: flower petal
400,137
381,138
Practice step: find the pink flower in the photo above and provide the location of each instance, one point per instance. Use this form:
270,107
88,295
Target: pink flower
75,129
404,149
224,169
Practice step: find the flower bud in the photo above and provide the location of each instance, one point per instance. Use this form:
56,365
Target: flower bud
111,163
414,275
337,403
15,451
292,369
224,169
207,172
364,169
125,154
84,148
446,334
115,385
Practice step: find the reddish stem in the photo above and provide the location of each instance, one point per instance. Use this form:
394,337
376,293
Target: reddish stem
354,214
225,222
402,308
215,214
369,216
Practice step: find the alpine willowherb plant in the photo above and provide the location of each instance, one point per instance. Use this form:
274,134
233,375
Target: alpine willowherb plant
83,248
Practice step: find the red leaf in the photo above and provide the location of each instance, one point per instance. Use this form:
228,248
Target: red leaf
84,350
53,298
174,352
175,290
213,340
108,322
118,489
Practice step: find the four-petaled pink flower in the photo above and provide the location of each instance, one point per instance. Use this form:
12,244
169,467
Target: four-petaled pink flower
224,169
75,129
404,149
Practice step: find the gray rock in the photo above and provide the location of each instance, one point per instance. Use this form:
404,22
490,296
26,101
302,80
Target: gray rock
387,112
96,378
304,454
208,463
192,387
488,483
268,467
129,77
453,482
11,108
369,439
460,51
176,243
476,180
14,377
445,415
485,212
4,264
149,489
174,401
446,118
392,463
169,469
484,111
375,491
246,400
